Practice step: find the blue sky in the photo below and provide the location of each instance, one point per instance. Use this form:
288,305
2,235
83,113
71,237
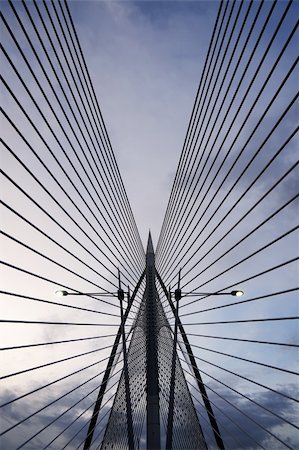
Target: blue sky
154,49
145,60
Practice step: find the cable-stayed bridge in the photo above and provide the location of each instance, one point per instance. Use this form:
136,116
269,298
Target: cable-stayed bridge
150,347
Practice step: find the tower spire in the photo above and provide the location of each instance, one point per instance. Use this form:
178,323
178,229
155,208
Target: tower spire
150,247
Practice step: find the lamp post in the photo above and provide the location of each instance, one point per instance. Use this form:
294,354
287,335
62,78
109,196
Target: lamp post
177,296
237,293
120,294
64,293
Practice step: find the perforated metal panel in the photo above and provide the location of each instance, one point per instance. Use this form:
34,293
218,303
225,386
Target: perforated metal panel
187,433
116,436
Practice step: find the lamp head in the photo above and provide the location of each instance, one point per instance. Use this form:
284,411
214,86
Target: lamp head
237,293
61,293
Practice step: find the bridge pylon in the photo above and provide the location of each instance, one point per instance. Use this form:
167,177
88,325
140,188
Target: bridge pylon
158,391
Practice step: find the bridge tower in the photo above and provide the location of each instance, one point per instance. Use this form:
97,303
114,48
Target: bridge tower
152,368
155,376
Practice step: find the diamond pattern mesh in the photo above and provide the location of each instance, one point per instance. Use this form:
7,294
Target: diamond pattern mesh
187,433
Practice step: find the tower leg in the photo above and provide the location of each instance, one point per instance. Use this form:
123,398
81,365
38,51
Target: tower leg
152,371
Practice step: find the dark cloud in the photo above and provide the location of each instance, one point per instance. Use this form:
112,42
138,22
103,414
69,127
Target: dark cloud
235,427
239,432
14,413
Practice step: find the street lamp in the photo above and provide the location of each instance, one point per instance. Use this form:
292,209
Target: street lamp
237,293
63,293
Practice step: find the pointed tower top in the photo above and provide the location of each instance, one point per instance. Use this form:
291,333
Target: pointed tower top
150,247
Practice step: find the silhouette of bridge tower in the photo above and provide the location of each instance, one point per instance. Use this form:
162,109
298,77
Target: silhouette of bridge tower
152,386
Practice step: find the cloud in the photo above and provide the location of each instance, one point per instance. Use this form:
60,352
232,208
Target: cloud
145,59
239,432
14,413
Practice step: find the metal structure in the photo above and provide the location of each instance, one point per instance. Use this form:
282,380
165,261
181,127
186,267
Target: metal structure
158,392
144,349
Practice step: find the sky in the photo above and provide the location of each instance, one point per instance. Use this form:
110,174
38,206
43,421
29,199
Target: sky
159,63
145,60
